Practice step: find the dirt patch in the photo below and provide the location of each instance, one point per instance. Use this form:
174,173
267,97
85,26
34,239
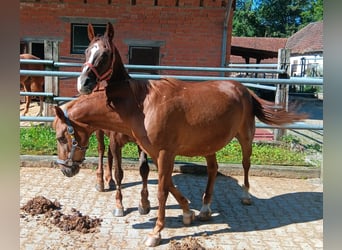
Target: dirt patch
188,243
72,222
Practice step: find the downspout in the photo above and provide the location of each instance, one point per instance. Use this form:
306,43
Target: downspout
224,35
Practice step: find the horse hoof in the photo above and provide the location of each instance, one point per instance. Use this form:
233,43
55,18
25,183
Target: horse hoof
188,217
204,216
246,201
118,212
152,240
143,211
99,188
111,185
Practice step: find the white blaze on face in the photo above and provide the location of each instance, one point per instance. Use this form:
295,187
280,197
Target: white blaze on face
91,57
85,68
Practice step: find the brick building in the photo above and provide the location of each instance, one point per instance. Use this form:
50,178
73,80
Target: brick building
154,32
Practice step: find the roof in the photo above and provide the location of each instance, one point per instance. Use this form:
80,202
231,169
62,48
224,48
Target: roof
308,40
256,47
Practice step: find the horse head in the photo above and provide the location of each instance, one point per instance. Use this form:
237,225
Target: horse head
71,153
100,58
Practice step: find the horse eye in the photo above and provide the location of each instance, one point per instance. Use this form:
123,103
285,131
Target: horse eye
62,140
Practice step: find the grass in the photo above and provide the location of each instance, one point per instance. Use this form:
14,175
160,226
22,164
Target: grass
40,140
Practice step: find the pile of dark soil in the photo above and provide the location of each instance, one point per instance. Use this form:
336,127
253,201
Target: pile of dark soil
188,243
40,205
73,222
76,221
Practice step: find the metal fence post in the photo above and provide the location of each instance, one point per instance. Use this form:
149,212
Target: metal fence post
51,82
282,91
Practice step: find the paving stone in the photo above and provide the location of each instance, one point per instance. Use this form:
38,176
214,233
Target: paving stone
286,213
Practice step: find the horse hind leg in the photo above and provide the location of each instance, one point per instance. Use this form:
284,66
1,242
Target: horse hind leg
246,147
41,106
212,167
27,105
26,84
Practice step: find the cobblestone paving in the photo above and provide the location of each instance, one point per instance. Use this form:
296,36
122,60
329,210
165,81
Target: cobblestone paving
286,213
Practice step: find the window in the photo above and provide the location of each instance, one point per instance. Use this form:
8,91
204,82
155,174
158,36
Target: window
79,36
144,55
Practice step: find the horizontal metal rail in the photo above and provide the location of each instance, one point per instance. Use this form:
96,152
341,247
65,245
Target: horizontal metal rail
297,125
37,118
63,99
291,81
35,94
38,61
206,69
257,65
258,68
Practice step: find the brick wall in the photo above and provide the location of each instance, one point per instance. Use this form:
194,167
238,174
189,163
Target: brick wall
192,34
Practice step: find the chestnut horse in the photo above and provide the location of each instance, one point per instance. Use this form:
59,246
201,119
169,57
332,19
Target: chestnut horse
169,117
32,83
67,140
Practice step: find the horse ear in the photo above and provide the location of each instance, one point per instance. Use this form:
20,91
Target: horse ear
59,113
91,33
109,31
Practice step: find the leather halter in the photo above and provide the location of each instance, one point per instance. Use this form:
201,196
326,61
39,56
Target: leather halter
74,145
106,75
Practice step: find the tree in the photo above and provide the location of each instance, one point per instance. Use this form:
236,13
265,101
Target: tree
274,18
246,20
314,12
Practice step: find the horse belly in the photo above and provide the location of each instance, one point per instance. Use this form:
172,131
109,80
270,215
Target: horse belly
205,141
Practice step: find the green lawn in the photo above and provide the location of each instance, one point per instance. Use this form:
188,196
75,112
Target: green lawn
40,140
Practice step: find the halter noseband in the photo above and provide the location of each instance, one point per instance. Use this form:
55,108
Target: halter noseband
105,76
74,145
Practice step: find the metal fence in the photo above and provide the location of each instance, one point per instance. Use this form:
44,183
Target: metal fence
261,83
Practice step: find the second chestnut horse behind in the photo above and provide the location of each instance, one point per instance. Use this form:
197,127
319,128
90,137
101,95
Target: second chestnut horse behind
114,154
32,83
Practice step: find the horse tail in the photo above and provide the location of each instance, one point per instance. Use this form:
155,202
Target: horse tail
268,113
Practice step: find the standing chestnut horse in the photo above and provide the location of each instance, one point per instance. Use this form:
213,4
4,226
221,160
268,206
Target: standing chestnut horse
32,83
169,117
68,143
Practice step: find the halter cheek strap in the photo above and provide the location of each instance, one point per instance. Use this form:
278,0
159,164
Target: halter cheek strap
74,145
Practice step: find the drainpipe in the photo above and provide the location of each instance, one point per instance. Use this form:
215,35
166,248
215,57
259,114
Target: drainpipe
224,34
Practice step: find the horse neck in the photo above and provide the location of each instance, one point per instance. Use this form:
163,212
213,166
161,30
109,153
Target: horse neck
93,113
119,71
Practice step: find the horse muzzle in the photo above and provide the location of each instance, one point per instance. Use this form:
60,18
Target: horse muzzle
67,169
85,85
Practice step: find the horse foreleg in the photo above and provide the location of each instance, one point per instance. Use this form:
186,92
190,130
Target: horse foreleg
144,205
212,166
99,171
165,166
118,173
246,147
188,215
